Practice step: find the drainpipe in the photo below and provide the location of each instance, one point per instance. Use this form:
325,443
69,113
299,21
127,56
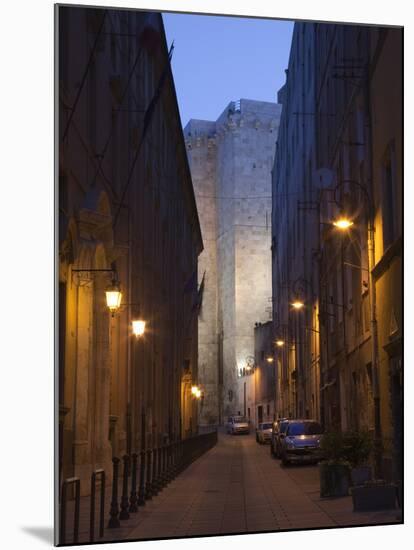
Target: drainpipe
372,288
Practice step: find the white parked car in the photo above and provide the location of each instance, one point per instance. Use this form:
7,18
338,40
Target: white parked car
238,425
264,432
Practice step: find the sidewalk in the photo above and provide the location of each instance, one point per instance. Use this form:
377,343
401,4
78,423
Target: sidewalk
236,487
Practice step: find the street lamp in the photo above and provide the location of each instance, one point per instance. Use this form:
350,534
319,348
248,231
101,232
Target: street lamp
269,359
297,304
138,327
343,223
280,343
113,296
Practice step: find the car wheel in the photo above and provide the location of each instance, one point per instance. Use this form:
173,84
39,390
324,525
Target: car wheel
285,461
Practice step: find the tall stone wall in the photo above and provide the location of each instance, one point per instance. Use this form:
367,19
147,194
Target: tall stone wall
231,162
201,146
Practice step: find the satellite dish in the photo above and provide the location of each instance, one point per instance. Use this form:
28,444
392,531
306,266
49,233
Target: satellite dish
323,178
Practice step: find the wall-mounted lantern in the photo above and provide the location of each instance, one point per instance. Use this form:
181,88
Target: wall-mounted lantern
113,296
138,327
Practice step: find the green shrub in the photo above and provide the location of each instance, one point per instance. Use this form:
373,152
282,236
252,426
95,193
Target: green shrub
332,447
352,448
356,447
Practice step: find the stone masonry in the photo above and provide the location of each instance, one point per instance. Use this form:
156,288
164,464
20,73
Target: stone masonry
231,161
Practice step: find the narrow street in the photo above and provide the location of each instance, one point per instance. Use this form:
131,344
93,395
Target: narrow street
236,487
229,255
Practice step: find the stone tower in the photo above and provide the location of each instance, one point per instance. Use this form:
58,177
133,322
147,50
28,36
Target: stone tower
231,162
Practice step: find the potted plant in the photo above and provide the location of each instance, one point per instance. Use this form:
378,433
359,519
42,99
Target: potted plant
374,495
334,470
356,450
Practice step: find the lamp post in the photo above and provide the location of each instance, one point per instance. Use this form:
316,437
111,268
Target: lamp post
343,224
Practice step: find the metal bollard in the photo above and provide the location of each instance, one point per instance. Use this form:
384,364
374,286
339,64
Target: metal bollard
148,488
154,482
174,464
178,467
133,507
164,466
62,536
169,461
97,474
114,511
124,500
159,476
141,491
172,461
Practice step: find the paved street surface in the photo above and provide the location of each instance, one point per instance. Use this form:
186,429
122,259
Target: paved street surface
236,487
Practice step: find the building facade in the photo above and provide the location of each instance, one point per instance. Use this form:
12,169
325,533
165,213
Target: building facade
295,236
126,212
264,374
351,290
231,162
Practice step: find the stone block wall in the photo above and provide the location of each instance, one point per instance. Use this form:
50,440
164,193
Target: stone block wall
231,161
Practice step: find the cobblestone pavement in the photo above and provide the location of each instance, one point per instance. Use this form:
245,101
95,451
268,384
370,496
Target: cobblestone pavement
237,487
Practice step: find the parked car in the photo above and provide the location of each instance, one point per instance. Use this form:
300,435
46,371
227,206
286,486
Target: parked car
238,425
301,441
278,427
264,432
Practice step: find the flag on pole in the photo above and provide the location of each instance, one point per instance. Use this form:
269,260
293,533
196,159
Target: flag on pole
199,300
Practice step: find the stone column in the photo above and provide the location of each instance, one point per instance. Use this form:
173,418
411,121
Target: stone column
102,370
81,443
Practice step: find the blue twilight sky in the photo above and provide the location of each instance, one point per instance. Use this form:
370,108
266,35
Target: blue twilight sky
220,59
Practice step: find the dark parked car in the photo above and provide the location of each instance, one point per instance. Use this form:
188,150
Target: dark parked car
301,441
279,427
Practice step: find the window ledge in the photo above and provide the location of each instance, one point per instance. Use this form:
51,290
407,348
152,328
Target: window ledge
388,256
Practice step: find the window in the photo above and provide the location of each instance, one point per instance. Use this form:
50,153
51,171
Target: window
366,313
388,197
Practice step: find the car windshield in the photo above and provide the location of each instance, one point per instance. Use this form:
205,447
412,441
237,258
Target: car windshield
266,426
283,426
239,419
304,428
